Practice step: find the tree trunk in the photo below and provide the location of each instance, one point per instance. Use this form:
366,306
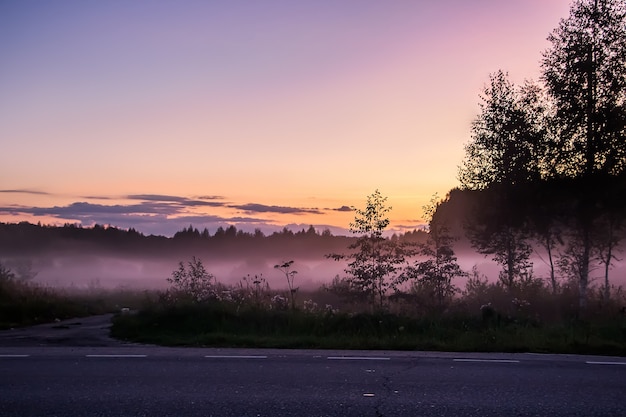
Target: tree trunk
510,262
607,289
552,275
584,271
607,261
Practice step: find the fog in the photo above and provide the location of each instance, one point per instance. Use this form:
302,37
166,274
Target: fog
93,270
102,271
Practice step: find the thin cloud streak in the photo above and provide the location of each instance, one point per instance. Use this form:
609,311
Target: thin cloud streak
262,208
175,199
18,191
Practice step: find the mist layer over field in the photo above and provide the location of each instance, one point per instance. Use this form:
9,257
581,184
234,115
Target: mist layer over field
93,270
103,271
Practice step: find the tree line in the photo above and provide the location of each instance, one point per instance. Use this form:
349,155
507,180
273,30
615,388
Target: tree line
549,157
25,238
545,167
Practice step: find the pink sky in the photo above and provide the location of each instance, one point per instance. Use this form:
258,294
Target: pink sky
158,114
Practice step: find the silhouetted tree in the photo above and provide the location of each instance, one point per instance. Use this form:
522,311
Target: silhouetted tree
507,145
188,233
438,267
375,260
584,72
545,226
504,156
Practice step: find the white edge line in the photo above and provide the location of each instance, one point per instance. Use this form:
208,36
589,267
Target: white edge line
14,356
604,363
236,356
116,356
486,360
357,358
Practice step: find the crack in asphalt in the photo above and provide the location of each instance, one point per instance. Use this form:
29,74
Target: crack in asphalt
387,388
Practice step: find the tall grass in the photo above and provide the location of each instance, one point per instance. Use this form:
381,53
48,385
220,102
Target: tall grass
223,324
26,303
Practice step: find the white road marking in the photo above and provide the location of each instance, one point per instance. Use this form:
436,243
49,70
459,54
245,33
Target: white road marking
236,356
604,363
116,356
368,395
486,360
357,358
14,356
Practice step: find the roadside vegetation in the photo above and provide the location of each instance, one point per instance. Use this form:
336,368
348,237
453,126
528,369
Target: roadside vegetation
528,318
544,171
25,303
544,176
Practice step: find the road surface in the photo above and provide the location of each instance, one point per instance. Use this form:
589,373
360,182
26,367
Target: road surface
116,379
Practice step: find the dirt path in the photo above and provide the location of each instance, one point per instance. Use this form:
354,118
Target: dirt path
86,331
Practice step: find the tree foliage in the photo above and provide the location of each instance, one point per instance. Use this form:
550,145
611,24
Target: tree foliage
374,261
434,271
528,141
505,154
192,281
509,136
584,73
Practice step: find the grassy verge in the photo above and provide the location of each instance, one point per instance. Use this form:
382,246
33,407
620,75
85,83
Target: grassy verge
225,326
25,304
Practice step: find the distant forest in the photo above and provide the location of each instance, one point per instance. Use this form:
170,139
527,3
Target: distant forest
23,239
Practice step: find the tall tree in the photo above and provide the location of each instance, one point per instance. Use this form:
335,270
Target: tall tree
506,153
507,137
585,73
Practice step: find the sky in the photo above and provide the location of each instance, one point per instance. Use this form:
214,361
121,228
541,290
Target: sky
259,114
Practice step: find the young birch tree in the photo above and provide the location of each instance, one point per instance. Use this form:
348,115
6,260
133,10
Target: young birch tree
374,260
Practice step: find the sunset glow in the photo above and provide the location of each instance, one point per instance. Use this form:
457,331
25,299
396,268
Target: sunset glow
156,115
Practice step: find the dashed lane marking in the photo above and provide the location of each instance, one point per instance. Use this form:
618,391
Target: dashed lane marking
604,363
357,358
486,360
116,356
14,356
236,356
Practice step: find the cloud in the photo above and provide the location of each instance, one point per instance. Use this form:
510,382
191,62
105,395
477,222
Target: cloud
97,197
175,199
24,192
343,208
83,210
409,227
162,214
158,218
262,208
153,214
156,197
210,197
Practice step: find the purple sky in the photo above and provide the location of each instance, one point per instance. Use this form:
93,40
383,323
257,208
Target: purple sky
287,111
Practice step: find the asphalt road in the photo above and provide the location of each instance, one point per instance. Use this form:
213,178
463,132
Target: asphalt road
58,379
